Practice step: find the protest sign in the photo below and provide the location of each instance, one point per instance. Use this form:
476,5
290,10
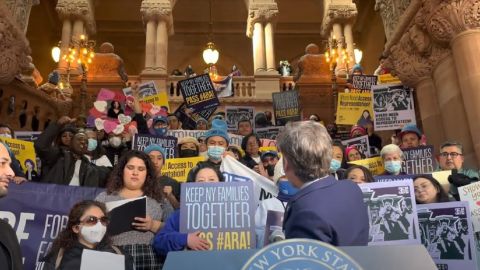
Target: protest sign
178,133
387,79
234,171
160,100
270,133
38,213
391,178
235,114
419,160
354,109
222,212
268,143
199,93
223,86
392,106
23,151
140,141
442,178
363,83
29,136
391,212
147,89
374,165
447,234
189,118
178,168
286,107
361,144
471,194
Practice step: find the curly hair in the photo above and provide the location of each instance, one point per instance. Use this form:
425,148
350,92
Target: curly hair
150,188
67,238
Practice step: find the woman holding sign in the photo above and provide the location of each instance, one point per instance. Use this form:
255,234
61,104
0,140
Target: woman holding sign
134,177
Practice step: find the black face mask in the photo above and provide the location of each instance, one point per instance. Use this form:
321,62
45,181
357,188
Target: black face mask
188,153
270,170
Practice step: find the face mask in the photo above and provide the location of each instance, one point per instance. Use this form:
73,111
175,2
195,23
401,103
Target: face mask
215,152
160,131
270,169
335,165
393,167
285,187
93,234
115,142
92,145
5,135
188,153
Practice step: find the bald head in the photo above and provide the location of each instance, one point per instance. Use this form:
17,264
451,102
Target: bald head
6,173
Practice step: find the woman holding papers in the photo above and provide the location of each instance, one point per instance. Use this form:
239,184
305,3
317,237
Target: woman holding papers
86,228
132,178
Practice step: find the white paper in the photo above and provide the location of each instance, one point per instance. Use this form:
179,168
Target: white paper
99,260
115,204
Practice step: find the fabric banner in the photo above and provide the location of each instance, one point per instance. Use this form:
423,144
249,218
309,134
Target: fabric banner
224,213
199,93
270,133
29,136
286,107
23,151
181,133
392,213
471,194
392,106
38,213
354,109
363,83
235,114
374,165
140,141
224,87
419,160
234,171
361,143
447,234
178,168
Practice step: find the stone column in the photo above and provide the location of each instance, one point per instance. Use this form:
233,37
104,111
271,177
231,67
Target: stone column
258,48
65,43
161,47
150,44
269,47
348,33
21,11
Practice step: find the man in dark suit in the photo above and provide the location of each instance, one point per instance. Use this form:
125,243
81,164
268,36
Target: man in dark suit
10,255
324,209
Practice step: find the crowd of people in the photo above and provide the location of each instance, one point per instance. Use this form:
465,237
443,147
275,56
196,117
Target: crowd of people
76,155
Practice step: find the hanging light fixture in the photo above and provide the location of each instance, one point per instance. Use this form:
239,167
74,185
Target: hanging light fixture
56,54
210,54
358,55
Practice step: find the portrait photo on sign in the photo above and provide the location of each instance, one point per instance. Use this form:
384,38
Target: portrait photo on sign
393,98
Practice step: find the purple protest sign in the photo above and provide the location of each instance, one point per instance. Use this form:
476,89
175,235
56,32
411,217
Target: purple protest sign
222,212
199,93
419,160
141,141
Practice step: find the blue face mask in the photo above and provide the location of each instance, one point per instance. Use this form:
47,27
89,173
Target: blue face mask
393,166
215,152
160,131
285,187
92,145
335,165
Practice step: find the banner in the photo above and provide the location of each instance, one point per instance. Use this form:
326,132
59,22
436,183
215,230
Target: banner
199,93
391,178
178,168
189,119
361,143
419,160
363,83
235,114
471,194
234,171
286,107
223,212
270,133
23,151
374,165
447,234
179,133
29,136
392,106
224,87
140,141
354,109
392,213
38,213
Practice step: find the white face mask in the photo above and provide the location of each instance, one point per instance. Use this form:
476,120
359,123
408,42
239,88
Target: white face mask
5,135
115,141
93,234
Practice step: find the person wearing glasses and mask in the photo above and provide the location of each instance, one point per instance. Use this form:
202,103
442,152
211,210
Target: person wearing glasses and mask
451,158
86,229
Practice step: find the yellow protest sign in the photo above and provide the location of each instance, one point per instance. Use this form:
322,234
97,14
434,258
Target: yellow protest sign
268,148
388,78
22,150
160,99
178,168
374,165
354,108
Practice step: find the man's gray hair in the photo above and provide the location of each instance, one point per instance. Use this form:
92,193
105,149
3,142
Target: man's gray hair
452,143
307,147
391,148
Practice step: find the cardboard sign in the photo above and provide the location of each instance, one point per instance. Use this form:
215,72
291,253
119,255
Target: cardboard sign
393,106
354,109
23,151
361,143
199,93
471,194
235,114
419,160
374,165
286,107
178,168
363,83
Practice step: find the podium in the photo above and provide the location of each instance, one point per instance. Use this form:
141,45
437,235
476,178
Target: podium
369,258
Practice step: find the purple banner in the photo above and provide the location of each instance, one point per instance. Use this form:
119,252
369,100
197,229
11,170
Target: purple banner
199,93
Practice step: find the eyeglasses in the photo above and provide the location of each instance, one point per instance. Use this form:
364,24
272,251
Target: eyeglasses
92,220
453,154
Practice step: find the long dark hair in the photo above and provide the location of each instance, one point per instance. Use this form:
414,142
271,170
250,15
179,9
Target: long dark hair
368,175
442,196
202,166
245,142
68,238
150,187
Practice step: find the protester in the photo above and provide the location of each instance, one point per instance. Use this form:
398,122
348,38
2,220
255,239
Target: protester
357,131
170,238
336,163
451,158
188,147
201,124
160,125
314,117
352,153
65,136
306,149
428,190
7,132
10,253
244,127
251,145
261,120
374,140
392,157
68,167
269,160
269,116
169,186
202,146
95,152
86,230
134,177
173,122
236,152
359,174
410,136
